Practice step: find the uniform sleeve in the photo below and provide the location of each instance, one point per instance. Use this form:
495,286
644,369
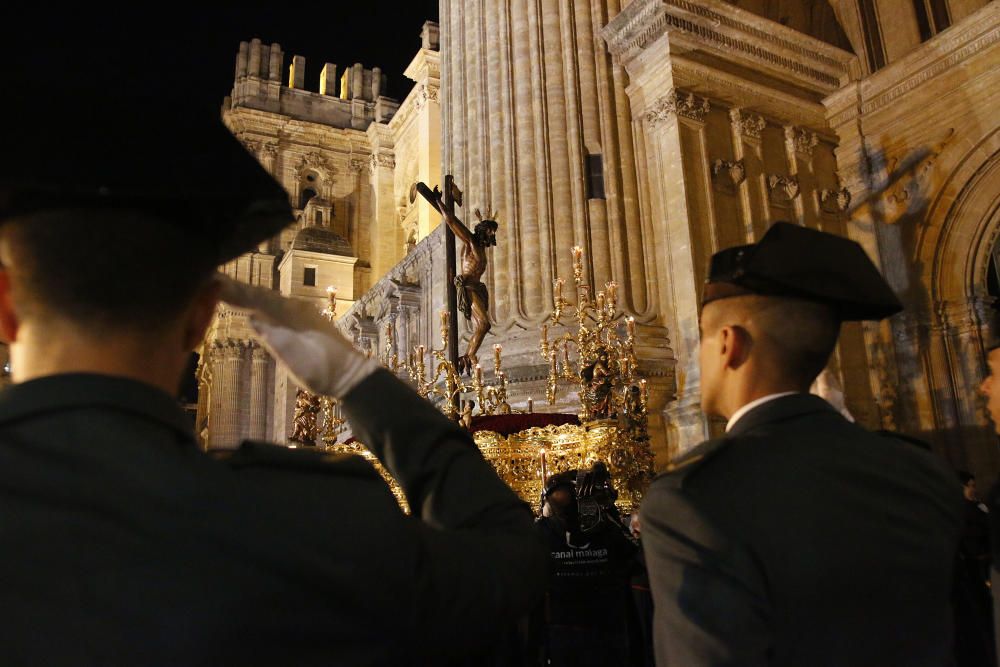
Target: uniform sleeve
708,596
480,562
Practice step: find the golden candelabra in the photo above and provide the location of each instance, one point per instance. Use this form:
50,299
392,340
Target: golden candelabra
600,359
446,383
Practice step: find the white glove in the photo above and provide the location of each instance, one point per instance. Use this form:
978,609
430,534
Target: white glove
317,355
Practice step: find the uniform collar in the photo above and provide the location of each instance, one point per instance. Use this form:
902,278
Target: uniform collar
753,404
71,391
779,408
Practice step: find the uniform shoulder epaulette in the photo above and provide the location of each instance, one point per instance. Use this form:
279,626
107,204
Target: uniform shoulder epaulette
683,466
253,454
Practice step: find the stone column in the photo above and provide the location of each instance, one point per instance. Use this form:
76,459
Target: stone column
259,404
214,417
226,428
386,235
673,124
268,157
517,140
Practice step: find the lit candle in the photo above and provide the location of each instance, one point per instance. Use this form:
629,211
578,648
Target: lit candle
479,374
558,283
612,291
600,301
420,353
444,319
497,349
530,405
630,325
644,392
577,254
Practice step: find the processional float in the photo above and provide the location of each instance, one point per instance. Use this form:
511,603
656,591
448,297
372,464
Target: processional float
589,344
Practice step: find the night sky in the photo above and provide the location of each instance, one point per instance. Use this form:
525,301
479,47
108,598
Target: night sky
193,52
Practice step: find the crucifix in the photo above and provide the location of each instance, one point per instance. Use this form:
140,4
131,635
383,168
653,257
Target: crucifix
466,290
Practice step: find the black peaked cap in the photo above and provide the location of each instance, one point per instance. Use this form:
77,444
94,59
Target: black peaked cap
793,261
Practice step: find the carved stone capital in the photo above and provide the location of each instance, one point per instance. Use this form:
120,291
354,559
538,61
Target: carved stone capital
258,353
357,165
252,145
425,93
677,103
801,140
383,160
233,350
269,150
748,124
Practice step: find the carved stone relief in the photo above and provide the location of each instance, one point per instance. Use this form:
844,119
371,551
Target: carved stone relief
728,175
834,201
782,189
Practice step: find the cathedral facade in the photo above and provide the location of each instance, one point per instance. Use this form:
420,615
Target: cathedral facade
650,133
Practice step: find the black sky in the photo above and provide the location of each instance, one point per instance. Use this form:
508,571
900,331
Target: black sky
192,52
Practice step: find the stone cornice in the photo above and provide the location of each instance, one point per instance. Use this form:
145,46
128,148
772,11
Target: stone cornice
425,65
781,106
732,34
951,49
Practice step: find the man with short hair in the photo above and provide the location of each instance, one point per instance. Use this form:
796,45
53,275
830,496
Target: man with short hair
797,538
121,542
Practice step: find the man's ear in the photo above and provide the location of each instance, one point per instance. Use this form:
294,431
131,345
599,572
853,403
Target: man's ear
9,322
200,314
736,345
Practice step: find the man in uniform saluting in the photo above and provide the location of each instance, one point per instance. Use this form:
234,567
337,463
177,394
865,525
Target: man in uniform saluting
797,538
121,542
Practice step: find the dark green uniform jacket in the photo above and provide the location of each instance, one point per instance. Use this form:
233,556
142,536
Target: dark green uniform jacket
801,540
123,544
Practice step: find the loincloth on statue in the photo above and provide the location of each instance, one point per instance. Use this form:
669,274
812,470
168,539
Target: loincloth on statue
462,289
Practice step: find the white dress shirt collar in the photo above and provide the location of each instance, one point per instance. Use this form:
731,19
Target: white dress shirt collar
753,404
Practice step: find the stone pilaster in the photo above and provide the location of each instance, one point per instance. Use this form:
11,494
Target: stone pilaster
259,392
227,433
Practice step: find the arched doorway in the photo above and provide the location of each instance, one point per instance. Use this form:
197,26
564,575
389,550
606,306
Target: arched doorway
961,243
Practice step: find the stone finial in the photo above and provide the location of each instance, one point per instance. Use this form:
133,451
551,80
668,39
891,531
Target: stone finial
297,73
265,62
328,80
430,36
274,66
357,81
253,62
242,57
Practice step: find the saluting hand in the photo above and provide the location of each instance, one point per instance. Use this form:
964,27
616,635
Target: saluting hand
317,355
